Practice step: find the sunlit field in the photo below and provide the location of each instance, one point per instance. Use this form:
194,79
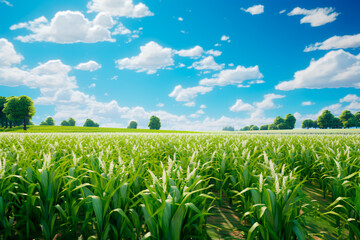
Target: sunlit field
179,186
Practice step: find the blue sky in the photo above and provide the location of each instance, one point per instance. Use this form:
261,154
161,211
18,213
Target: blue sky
198,65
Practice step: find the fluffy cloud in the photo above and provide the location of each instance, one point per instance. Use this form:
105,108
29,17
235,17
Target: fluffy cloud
225,38
180,19
233,76
307,103
88,66
151,58
187,94
8,55
213,52
120,8
350,98
336,42
207,63
6,2
316,17
241,106
194,52
120,29
335,70
254,10
68,27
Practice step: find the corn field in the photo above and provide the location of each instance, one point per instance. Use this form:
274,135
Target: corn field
164,186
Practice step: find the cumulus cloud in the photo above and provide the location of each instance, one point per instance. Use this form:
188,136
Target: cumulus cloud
350,98
152,57
180,19
8,55
190,104
68,27
336,42
241,106
194,52
160,105
316,17
225,38
233,76
120,29
307,103
207,63
254,10
120,8
335,70
6,2
88,66
213,52
188,94
202,106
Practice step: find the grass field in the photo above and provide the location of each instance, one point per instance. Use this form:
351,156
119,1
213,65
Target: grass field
179,186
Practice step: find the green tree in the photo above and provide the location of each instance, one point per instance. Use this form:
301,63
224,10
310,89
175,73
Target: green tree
154,123
132,125
3,118
64,123
307,123
347,119
357,117
290,121
19,108
71,122
228,128
264,127
273,127
254,128
315,124
337,123
278,120
246,128
49,121
283,126
325,119
90,123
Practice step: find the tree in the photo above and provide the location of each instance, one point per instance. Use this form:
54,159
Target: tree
246,128
325,119
290,121
307,123
64,123
132,125
3,118
315,124
273,127
90,123
357,117
71,122
282,126
278,120
337,123
228,128
154,123
347,119
254,128
19,108
264,127
49,121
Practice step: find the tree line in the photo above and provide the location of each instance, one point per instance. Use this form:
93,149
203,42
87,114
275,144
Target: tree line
328,120
279,123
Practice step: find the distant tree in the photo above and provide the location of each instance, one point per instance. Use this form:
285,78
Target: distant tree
254,128
71,122
228,128
307,123
315,124
278,120
337,123
273,127
90,123
325,119
264,127
132,125
357,117
347,119
43,123
19,108
49,121
154,123
290,121
283,126
64,123
246,128
3,118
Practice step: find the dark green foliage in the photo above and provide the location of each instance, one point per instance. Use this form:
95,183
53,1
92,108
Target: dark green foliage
228,128
64,123
154,123
307,123
357,117
278,120
325,120
71,122
348,119
90,123
132,125
337,123
273,127
19,109
254,128
264,127
290,121
246,128
49,121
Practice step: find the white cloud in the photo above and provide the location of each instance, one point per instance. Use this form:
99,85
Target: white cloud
233,76
92,85
180,19
254,10
88,66
350,98
224,38
8,55
336,42
207,63
197,114
115,77
213,52
151,58
194,52
241,106
307,103
187,94
68,27
6,2
282,11
120,8
335,70
316,17
120,29
190,104
160,105
202,106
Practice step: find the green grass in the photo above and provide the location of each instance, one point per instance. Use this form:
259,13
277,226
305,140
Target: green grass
64,129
